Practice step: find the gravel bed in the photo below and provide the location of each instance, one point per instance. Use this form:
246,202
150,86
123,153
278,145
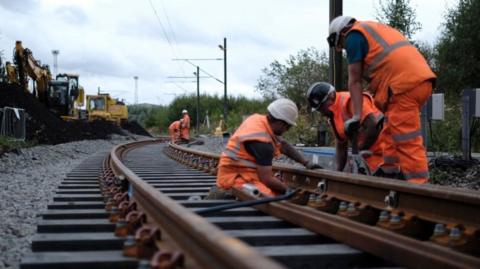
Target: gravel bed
28,180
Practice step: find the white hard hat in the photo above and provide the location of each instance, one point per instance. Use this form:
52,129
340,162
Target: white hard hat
284,109
337,25
184,111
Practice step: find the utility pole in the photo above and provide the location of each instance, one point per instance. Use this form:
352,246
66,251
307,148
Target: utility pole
55,63
198,97
136,89
335,58
225,107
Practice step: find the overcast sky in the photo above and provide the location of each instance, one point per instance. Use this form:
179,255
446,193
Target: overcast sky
108,42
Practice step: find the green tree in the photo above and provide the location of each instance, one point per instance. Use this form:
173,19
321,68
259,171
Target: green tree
457,50
292,79
399,15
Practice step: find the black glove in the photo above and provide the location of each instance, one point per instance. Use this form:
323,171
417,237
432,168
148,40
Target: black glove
352,125
310,165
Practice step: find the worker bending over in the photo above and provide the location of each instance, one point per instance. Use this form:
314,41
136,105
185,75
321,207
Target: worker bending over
336,106
174,131
401,81
248,155
185,132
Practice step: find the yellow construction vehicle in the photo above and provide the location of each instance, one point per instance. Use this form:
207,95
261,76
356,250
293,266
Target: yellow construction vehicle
66,97
28,66
103,107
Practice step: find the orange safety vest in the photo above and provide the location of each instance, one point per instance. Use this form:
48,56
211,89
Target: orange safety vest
174,126
185,133
392,61
342,112
173,130
236,164
186,121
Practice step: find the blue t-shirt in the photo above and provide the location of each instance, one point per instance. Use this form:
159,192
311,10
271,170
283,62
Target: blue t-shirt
356,46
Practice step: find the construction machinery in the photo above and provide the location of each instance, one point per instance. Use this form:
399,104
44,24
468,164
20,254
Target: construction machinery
66,97
28,66
62,95
103,107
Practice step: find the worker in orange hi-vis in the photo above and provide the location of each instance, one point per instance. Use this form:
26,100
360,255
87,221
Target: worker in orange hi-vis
401,81
337,108
174,131
248,155
185,133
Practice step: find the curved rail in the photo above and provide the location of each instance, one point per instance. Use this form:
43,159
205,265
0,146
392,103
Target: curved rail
418,226
202,241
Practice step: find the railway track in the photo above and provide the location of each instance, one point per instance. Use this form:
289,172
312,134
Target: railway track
106,215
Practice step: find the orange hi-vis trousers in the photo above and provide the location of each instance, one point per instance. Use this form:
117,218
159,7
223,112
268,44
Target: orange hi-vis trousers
404,150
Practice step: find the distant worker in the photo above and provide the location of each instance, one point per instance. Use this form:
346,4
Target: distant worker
221,128
336,106
248,155
174,131
185,133
401,81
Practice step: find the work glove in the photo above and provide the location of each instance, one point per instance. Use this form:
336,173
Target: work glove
311,165
352,125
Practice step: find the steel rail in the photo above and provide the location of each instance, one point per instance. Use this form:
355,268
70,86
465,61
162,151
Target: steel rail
206,244
438,204
418,208
390,246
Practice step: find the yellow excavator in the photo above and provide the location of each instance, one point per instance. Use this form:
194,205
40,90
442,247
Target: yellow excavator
28,66
66,97
104,107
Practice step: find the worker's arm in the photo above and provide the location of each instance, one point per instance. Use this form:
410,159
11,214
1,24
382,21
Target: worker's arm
289,151
341,151
371,131
266,177
355,87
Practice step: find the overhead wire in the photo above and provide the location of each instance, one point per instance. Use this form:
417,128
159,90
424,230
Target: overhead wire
164,31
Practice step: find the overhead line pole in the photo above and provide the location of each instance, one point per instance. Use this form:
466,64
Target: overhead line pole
225,107
335,57
198,98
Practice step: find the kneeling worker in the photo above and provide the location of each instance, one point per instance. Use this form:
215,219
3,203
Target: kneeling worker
248,155
336,106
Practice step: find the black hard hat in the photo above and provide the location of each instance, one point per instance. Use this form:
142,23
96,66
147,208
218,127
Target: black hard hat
318,94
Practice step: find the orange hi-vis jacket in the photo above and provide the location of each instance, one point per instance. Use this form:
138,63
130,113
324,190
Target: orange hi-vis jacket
392,63
342,111
174,130
237,166
185,133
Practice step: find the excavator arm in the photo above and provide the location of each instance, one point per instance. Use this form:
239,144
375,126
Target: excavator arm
27,65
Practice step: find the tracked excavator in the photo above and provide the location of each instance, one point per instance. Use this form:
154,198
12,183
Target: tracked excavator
66,97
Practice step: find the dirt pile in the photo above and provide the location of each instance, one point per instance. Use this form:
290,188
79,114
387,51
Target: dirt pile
135,128
45,127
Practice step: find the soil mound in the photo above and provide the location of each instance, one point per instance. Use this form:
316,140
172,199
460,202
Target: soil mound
46,127
135,128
